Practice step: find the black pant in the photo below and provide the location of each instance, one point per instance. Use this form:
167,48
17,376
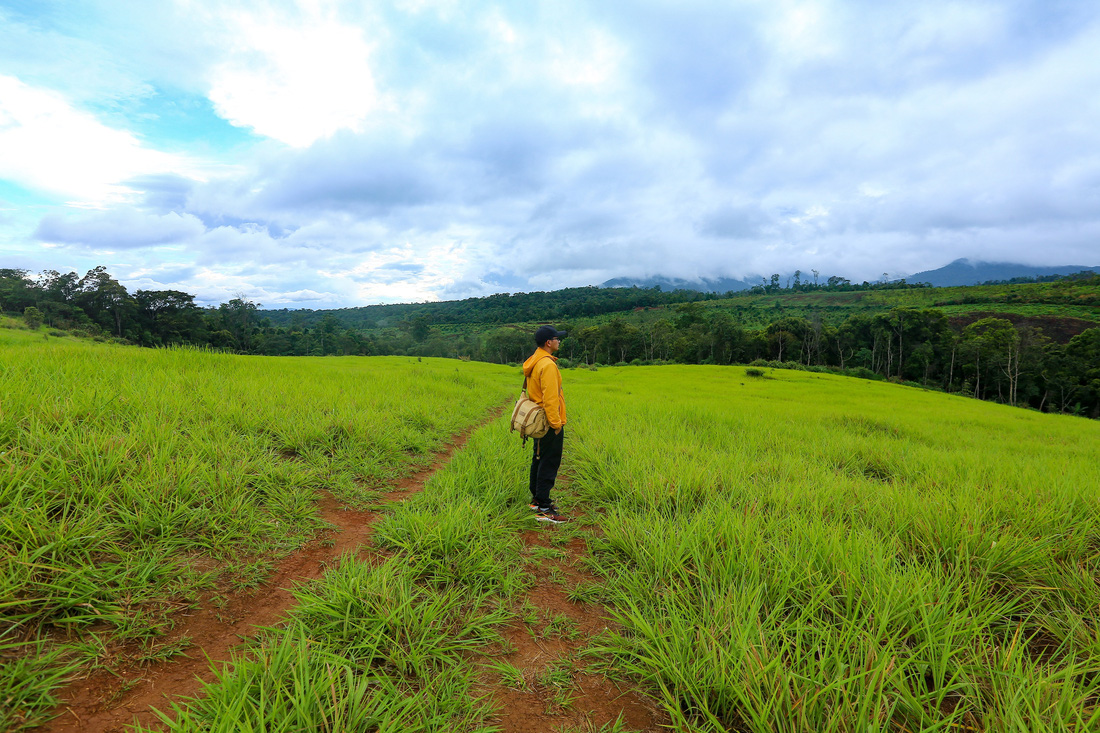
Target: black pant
544,466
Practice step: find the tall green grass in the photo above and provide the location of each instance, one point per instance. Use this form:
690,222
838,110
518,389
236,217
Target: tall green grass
132,479
808,552
387,646
797,552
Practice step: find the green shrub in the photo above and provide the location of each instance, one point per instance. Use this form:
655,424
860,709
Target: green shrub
863,373
33,317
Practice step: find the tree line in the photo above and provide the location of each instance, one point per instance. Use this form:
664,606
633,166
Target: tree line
991,358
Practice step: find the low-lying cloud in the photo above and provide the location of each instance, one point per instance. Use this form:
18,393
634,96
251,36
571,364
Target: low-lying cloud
429,150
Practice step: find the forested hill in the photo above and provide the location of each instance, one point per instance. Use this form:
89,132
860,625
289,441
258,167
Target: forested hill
1021,343
500,308
569,304
556,305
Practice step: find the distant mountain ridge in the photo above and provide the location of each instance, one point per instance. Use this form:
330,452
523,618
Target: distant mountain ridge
960,272
964,272
668,284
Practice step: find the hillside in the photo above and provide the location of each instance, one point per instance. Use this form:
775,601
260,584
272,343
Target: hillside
768,546
1035,344
1077,299
1063,308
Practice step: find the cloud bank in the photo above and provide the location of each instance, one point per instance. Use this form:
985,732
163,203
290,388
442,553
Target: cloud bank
335,154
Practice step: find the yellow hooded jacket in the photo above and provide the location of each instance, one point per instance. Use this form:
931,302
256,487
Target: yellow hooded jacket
544,385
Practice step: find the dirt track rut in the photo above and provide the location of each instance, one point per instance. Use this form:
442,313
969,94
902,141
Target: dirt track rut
111,701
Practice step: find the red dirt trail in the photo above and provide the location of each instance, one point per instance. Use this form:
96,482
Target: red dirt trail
112,701
592,701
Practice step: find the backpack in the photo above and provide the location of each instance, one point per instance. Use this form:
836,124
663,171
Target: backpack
528,417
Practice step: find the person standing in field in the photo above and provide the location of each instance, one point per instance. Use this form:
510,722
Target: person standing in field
544,387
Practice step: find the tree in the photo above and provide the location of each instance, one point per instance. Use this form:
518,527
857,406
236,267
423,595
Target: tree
170,316
33,317
1060,377
913,329
105,299
619,338
1083,350
882,344
15,290
59,287
421,326
727,338
238,317
589,339
852,337
327,333
1034,346
506,345
990,344
692,345
689,315
786,334
659,336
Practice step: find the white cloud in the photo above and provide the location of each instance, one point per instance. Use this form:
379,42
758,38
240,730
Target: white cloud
435,263
49,145
294,79
123,228
433,148
588,59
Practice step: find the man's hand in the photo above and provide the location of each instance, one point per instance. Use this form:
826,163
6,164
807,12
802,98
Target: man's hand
557,431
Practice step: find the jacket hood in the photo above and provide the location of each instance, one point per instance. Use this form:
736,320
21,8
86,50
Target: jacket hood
529,365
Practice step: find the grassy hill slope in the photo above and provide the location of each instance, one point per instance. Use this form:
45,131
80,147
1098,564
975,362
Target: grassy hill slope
788,551
132,479
793,552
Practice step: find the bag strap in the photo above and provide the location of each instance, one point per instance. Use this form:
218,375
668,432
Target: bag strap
523,389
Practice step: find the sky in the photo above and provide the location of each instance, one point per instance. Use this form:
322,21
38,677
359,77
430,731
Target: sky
318,154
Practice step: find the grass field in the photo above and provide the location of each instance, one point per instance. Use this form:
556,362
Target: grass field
797,551
807,552
388,646
133,479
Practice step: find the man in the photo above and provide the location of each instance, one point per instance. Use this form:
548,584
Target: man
544,387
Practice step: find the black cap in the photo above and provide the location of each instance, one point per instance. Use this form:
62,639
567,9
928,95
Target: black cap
546,333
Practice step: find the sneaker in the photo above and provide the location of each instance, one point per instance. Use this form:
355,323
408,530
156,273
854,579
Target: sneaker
533,506
550,514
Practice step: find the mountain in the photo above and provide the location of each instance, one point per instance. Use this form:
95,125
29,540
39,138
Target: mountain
960,272
965,272
668,284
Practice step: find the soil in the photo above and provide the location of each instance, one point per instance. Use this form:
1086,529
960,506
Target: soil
110,700
1059,329
592,700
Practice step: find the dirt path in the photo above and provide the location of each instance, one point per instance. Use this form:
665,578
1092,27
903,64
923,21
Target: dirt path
555,692
110,701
